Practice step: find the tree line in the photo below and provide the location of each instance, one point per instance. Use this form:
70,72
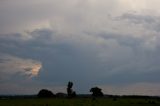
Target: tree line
96,92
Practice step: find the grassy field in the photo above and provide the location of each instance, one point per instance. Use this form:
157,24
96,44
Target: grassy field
80,102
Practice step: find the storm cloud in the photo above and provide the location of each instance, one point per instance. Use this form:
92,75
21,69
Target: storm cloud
105,43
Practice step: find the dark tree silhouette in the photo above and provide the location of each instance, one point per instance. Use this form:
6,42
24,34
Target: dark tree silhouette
44,93
70,92
96,92
69,88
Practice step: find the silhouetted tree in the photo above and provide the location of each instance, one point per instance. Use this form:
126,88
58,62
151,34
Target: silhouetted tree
69,88
96,92
45,93
70,92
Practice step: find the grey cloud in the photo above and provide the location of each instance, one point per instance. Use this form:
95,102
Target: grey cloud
86,42
150,22
97,60
137,19
17,15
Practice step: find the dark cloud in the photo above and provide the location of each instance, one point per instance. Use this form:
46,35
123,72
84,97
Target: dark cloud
150,22
114,58
88,42
137,19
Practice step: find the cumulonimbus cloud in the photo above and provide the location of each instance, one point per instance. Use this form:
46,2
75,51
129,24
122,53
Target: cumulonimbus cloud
101,41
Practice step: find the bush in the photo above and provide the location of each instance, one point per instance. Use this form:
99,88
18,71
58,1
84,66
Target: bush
45,93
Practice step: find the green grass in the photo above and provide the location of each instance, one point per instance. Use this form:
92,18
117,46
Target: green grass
79,102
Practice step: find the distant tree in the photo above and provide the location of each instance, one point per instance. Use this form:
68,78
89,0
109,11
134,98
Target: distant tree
70,92
69,88
96,92
44,93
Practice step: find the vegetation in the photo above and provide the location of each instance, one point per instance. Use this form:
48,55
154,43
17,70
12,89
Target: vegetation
96,92
109,101
47,98
45,93
70,92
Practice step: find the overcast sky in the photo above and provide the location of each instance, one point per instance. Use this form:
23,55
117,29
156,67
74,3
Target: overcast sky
113,44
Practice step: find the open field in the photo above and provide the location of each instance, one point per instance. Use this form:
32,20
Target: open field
80,102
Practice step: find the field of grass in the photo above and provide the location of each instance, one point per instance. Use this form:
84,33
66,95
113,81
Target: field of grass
79,102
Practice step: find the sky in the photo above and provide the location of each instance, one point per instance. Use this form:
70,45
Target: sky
112,44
